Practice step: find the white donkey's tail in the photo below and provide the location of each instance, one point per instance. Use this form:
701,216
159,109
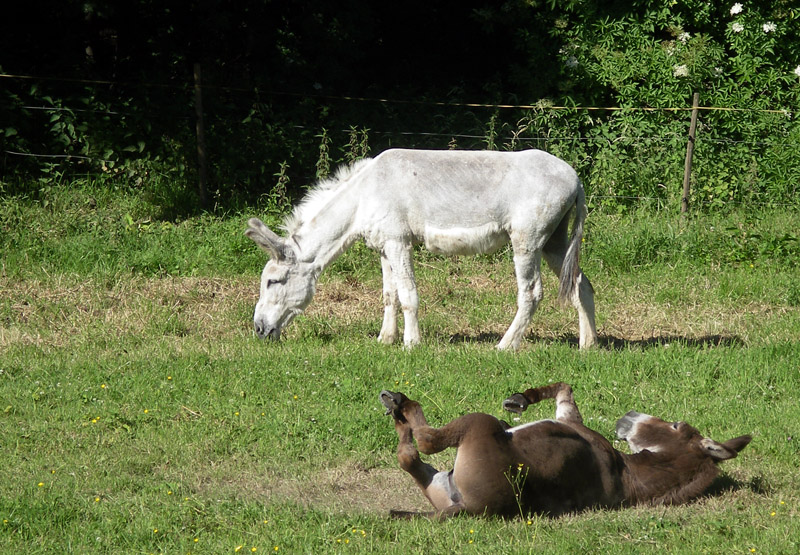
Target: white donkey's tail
570,269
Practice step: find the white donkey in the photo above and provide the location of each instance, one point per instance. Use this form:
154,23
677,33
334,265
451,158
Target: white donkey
454,202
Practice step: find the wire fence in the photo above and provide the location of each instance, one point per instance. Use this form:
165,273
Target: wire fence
611,159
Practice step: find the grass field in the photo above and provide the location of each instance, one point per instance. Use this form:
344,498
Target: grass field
141,415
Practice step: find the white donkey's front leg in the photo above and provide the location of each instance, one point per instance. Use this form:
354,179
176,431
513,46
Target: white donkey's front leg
398,256
390,303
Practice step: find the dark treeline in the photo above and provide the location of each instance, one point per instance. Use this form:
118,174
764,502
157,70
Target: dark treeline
478,50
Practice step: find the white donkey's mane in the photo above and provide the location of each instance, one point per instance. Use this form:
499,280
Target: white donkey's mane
320,194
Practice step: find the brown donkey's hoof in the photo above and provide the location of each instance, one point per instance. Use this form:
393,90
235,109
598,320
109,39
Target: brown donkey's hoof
517,403
390,400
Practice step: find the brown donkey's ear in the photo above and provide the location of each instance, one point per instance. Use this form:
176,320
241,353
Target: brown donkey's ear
738,443
724,451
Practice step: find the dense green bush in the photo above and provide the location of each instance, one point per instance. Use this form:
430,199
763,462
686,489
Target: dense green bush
644,60
738,57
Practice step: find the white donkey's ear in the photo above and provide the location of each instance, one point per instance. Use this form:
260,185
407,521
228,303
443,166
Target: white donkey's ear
268,240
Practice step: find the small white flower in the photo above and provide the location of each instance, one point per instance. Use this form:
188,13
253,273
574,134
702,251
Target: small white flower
797,71
737,27
717,72
684,37
736,8
769,27
680,70
572,61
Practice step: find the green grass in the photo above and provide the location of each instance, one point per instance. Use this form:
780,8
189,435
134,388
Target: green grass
140,414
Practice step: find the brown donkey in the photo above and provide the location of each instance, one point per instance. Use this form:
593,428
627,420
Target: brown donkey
553,466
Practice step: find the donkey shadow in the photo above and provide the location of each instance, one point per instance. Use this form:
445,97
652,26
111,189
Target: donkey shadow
610,342
715,340
724,483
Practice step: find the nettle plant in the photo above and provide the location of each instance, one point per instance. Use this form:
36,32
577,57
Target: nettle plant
738,57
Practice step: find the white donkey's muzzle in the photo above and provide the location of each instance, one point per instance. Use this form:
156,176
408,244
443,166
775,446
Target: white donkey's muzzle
265,330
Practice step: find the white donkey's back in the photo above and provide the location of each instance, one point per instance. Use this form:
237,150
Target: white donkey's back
464,202
455,202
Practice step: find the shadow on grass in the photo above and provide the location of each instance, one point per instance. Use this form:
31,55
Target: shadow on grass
724,483
611,343
479,338
617,343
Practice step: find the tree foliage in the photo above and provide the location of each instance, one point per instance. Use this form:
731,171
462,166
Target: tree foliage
113,90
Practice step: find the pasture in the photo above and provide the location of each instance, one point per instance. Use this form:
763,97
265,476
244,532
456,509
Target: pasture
141,415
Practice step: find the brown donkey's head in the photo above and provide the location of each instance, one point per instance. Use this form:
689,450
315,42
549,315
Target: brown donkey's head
672,461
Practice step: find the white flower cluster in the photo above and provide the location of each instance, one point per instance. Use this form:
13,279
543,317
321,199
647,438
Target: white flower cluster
680,70
797,71
737,8
571,61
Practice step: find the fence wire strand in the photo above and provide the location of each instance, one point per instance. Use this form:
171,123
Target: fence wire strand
466,136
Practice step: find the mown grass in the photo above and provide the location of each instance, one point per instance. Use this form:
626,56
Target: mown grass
140,414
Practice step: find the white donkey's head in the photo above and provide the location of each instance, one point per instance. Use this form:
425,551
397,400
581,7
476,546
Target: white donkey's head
287,285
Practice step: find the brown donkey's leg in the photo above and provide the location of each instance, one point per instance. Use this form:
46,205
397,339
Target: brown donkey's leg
437,486
566,409
429,440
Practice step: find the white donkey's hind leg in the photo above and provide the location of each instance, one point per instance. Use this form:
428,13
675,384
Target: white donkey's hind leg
390,303
584,302
398,256
527,266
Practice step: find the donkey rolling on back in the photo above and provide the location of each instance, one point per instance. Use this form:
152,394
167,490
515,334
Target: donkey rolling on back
553,466
453,202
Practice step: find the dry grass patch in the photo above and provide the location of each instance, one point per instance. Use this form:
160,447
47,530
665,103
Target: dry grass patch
66,310
346,488
347,301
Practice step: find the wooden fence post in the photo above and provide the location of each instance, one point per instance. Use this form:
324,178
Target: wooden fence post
687,167
202,165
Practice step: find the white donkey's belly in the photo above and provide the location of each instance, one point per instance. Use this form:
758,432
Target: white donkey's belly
485,238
